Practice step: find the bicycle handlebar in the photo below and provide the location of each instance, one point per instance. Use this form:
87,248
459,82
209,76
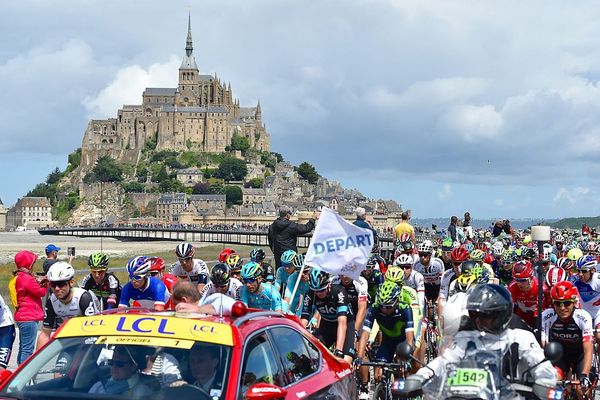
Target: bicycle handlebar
383,364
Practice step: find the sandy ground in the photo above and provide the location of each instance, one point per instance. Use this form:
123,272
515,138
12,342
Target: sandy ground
12,242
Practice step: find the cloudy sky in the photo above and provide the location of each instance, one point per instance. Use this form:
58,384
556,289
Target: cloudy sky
444,106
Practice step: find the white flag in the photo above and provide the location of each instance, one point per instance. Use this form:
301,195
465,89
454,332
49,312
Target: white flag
339,247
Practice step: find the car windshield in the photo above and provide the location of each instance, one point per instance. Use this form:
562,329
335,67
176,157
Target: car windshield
117,367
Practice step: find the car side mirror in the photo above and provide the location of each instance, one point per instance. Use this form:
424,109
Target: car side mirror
265,391
5,375
553,351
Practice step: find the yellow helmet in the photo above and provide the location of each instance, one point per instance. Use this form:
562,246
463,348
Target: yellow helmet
574,254
395,274
464,282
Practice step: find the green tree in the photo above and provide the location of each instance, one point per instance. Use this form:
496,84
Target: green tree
74,160
201,188
308,172
233,195
255,183
44,190
232,169
161,175
105,170
54,176
132,187
240,143
278,156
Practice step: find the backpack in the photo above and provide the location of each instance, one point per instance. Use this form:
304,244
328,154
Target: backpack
12,290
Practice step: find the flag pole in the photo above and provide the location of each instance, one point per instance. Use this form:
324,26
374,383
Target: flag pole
296,285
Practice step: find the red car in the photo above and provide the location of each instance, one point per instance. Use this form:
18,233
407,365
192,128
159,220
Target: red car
162,355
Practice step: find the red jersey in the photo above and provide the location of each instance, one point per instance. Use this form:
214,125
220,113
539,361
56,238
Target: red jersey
169,280
526,302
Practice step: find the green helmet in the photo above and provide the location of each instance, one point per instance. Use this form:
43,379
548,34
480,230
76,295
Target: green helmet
481,273
388,294
447,244
395,274
98,261
251,270
508,256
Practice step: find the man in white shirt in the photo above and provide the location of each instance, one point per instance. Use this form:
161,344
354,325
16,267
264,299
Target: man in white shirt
186,297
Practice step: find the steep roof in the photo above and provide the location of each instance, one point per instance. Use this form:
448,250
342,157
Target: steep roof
160,91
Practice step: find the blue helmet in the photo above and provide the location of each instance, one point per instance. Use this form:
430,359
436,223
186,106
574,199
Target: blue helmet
138,266
251,270
287,258
318,279
586,263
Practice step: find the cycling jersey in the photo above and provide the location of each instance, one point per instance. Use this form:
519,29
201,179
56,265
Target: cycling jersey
332,306
410,297
6,315
233,290
393,326
268,272
295,306
356,291
154,293
83,302
374,280
525,303
266,298
416,281
108,291
281,278
590,295
432,276
198,274
448,276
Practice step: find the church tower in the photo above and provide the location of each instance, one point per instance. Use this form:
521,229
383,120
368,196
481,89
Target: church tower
188,88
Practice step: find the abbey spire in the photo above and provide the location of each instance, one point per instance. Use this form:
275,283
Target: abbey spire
189,62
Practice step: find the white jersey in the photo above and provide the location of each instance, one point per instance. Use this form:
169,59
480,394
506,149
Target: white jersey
447,278
222,304
198,274
568,331
6,316
415,280
432,273
83,302
233,290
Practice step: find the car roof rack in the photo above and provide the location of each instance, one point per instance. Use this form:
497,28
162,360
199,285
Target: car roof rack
252,315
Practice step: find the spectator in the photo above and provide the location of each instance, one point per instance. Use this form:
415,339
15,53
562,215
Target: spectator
29,310
283,233
404,227
361,221
51,257
467,228
452,228
186,298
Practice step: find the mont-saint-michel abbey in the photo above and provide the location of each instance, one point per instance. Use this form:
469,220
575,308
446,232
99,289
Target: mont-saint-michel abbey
200,114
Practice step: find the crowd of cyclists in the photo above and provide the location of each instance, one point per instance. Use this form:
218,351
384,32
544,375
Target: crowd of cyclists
406,295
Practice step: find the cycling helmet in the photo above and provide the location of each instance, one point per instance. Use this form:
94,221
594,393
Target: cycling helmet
583,246
251,270
219,274
482,246
185,250
98,261
405,237
138,266
447,244
564,290
477,255
555,275
467,267
298,262
490,307
459,254
592,247
388,294
522,270
481,273
395,274
564,263
224,254
559,239
287,258
508,256
425,247
234,262
157,264
586,263
574,254
488,259
497,249
403,259
469,247
60,271
372,262
318,279
528,253
464,282
257,255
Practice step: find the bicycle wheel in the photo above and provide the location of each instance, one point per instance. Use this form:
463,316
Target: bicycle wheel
380,392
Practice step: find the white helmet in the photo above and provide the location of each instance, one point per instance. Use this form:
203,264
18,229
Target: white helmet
425,247
403,259
60,271
497,249
454,310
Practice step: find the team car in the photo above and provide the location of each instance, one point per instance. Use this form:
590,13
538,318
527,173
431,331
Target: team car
251,354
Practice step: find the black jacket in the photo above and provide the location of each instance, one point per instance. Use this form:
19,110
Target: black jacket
283,235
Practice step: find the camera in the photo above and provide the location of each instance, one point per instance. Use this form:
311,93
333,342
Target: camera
71,251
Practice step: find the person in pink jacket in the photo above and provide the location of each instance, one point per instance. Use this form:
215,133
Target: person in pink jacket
29,312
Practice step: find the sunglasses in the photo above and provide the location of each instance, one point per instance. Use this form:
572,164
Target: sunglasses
154,273
581,271
424,254
222,286
184,259
59,284
248,280
522,280
118,363
137,278
406,266
563,303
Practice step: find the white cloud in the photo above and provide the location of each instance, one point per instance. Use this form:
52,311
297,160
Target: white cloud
473,122
128,85
572,196
445,192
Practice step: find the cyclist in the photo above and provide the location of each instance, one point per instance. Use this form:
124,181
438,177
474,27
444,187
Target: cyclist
587,283
65,301
572,328
225,253
257,294
458,256
157,270
142,288
357,291
286,269
559,246
188,268
235,262
412,279
258,256
221,282
524,292
373,276
331,302
395,321
431,268
505,267
294,306
105,285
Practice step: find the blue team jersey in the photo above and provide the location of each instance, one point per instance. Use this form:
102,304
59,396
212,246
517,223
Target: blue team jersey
267,298
155,292
392,326
303,288
281,278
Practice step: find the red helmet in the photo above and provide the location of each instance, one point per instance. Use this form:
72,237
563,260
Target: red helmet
555,275
564,291
157,264
459,254
405,237
522,270
223,255
481,246
488,259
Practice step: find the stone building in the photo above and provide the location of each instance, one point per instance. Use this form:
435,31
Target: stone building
200,114
170,205
3,212
208,202
190,176
30,212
